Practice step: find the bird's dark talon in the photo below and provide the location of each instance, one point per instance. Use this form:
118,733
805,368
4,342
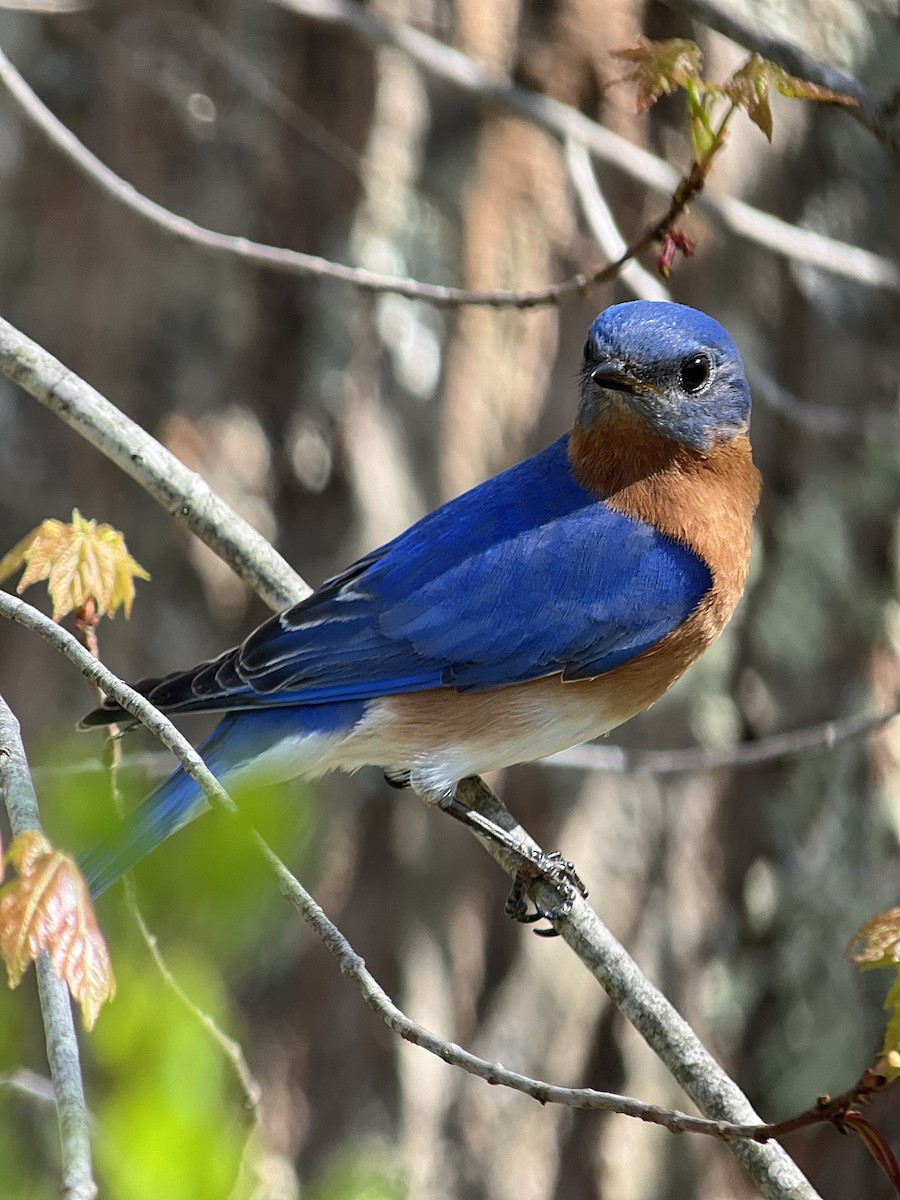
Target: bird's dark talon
397,779
554,870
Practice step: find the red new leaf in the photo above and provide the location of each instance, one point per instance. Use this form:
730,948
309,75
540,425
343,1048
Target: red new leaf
875,1144
48,907
661,67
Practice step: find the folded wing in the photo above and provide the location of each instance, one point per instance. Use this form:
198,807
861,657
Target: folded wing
525,576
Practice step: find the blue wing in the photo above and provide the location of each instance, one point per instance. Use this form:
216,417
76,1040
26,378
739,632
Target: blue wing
526,575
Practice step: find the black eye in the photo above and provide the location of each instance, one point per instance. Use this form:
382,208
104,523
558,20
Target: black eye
587,348
695,372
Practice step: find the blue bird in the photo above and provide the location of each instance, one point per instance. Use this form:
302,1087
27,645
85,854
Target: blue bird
541,609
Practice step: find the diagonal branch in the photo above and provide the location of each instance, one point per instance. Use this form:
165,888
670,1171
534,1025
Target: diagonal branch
182,492
296,262
56,1010
664,1029
562,121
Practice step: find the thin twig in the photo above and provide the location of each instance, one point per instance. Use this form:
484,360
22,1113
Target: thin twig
602,223
56,1009
768,749
229,1046
278,258
754,34
621,760
29,1083
87,624
182,493
741,219
822,420
46,7
562,121
773,1171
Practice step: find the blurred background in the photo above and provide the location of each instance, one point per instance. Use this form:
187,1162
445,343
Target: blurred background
331,419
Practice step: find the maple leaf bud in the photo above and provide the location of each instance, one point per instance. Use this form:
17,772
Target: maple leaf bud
87,566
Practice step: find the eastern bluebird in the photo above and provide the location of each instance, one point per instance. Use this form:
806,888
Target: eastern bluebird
541,609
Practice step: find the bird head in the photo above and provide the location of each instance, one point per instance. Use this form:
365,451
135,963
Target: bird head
673,366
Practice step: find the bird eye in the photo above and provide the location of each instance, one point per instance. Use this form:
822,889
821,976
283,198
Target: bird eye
695,372
587,348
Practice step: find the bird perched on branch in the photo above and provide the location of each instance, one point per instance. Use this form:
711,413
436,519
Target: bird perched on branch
542,608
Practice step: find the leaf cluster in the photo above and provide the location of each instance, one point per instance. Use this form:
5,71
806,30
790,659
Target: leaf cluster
86,565
663,67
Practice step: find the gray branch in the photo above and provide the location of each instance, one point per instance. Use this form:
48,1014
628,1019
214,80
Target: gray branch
183,493
659,1024
563,122
56,1009
730,1114
823,736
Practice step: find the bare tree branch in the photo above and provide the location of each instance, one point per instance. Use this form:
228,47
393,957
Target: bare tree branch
53,8
602,223
29,1083
753,34
594,756
817,419
621,760
296,262
779,236
666,1032
56,1009
563,121
181,492
230,1047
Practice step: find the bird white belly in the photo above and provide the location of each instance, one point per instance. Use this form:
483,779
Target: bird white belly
441,737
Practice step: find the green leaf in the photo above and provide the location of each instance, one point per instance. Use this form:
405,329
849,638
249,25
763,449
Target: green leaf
891,1047
703,136
749,89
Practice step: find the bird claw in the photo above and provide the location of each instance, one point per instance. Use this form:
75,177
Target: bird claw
554,870
397,779
534,867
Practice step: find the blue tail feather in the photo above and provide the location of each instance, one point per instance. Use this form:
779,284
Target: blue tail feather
235,742
176,802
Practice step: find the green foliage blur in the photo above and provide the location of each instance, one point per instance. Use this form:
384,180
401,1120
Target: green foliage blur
171,1117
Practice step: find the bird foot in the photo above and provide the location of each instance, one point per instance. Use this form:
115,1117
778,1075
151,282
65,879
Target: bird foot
397,779
534,867
553,869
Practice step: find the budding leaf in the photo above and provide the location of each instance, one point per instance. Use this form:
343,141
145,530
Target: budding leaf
877,944
83,563
749,89
890,1048
48,907
661,67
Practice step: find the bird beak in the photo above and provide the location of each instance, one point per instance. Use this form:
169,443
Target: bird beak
612,376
